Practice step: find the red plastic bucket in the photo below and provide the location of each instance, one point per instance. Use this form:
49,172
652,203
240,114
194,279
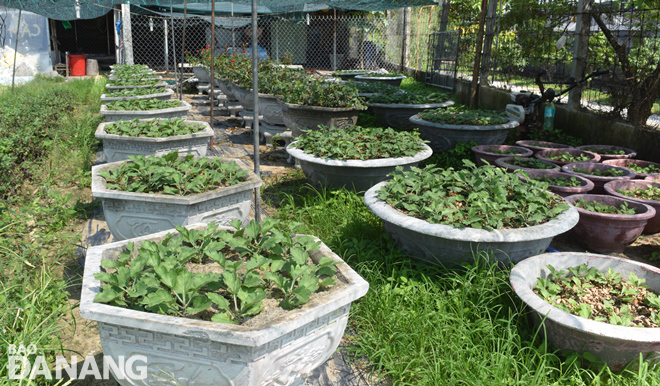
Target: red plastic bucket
77,65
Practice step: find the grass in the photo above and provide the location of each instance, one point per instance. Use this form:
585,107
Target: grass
423,325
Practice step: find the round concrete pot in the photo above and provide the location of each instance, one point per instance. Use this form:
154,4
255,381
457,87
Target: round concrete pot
612,187
484,153
616,345
505,162
276,351
397,115
599,181
357,174
603,157
609,233
541,145
437,243
269,107
444,137
391,80
180,111
563,191
544,155
162,96
299,117
626,163
350,75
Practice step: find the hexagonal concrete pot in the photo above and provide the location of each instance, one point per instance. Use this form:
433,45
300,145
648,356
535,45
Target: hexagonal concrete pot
299,117
564,191
599,181
161,96
629,153
608,233
391,80
269,107
120,147
626,162
505,162
278,351
437,243
616,345
159,84
541,145
126,115
397,115
444,137
484,153
612,188
357,174
137,214
544,155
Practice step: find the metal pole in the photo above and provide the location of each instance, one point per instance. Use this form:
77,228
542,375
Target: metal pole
183,48
255,96
334,42
18,28
167,52
233,36
212,69
174,42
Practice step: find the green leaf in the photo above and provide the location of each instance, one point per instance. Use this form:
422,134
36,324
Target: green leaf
223,317
220,302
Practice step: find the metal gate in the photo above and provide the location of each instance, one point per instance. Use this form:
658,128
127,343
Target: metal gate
443,59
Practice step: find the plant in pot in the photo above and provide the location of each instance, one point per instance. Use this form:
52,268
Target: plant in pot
367,90
641,168
390,78
259,305
566,156
608,224
350,74
394,109
563,184
356,157
122,139
308,103
447,216
138,93
489,153
446,127
598,173
646,192
144,108
541,145
200,62
130,82
593,304
609,151
525,164
149,193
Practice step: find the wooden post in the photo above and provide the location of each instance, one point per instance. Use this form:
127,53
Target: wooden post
488,41
579,65
474,98
126,33
444,15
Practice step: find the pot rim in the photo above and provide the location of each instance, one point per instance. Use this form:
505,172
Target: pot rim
568,168
479,149
381,77
294,106
412,105
109,98
504,162
205,131
587,183
415,119
610,190
648,214
627,150
423,154
184,107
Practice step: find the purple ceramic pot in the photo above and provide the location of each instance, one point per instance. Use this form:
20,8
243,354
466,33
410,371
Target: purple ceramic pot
598,181
612,187
541,145
488,153
563,191
547,154
506,162
598,149
631,163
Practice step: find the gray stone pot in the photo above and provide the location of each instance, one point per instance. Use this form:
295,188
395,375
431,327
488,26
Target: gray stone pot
225,87
612,188
630,153
162,96
120,147
444,137
159,84
541,145
625,162
391,80
202,74
357,174
127,115
137,214
616,345
269,107
437,243
298,117
277,351
599,181
397,115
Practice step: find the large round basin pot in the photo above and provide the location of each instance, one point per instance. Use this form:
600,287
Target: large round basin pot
599,181
612,187
397,115
547,153
563,191
616,345
299,117
626,162
391,80
225,88
484,153
609,233
357,174
506,162
269,107
444,137
629,153
541,145
350,75
450,246
202,74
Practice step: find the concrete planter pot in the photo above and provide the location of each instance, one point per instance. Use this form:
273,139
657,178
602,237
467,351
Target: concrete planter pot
159,84
626,162
162,96
599,181
506,162
437,243
608,233
269,106
127,115
594,148
120,147
225,87
563,191
543,155
357,174
202,74
112,77
484,154
137,214
444,137
299,117
391,80
351,75
278,351
541,145
616,345
612,188
397,115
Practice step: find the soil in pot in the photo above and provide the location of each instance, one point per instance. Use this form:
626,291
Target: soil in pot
598,173
521,163
609,151
489,153
563,184
608,224
646,192
641,168
541,145
565,156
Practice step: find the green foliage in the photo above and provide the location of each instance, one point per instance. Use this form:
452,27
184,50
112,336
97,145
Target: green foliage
309,91
598,207
607,172
648,193
408,98
154,128
459,115
484,197
639,169
530,163
256,262
453,158
126,70
361,143
558,181
374,87
604,150
171,174
129,92
562,156
143,104
134,80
